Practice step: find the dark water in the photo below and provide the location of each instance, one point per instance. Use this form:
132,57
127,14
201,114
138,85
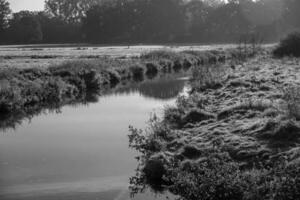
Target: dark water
82,152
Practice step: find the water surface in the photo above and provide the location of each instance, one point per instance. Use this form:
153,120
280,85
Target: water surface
82,151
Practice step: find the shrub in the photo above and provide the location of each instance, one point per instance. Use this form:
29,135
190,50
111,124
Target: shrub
151,70
10,97
289,46
197,115
213,178
292,98
208,77
161,54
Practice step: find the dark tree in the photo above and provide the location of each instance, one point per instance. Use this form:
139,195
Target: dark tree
135,20
4,12
25,28
55,30
70,11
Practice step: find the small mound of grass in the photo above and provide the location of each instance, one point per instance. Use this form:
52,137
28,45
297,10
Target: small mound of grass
151,70
280,132
289,46
191,152
292,98
161,54
154,171
197,115
208,77
249,104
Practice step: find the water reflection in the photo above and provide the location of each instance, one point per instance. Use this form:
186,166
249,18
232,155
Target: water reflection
79,151
161,89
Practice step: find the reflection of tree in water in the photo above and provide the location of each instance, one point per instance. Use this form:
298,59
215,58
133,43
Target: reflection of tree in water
15,119
163,89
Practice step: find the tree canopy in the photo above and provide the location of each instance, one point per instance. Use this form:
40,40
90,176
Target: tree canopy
4,12
150,21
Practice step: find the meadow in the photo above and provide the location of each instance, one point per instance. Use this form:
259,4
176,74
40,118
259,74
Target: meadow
28,56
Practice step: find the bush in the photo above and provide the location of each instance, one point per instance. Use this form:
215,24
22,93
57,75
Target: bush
289,46
161,54
208,77
211,179
292,98
151,70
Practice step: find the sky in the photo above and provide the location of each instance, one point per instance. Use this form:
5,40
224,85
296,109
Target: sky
33,5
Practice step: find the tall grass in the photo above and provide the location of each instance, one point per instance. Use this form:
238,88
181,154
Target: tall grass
208,76
291,95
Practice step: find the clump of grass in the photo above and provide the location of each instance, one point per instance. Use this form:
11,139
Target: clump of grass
10,97
291,95
78,65
217,177
197,115
248,104
191,152
208,77
289,46
151,69
161,54
154,170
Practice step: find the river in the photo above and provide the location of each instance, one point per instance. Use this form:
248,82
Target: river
81,151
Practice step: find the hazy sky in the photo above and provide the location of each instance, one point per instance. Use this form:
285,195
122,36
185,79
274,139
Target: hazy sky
33,5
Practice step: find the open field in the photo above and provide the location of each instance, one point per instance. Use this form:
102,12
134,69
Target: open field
46,55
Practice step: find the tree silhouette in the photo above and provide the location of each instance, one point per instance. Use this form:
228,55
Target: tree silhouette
4,12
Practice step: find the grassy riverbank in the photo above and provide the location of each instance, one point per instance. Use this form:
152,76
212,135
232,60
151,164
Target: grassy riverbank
236,136
29,90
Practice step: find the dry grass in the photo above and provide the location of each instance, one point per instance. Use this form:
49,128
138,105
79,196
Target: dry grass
292,98
208,76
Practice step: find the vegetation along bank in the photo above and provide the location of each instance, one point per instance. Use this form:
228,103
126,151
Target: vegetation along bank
24,91
235,137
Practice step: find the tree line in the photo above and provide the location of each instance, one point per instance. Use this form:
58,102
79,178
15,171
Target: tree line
149,21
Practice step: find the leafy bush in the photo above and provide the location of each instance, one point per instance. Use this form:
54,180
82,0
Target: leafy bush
214,178
289,46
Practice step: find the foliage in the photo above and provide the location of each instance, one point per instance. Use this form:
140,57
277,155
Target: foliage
208,76
70,11
149,21
289,46
134,21
4,12
292,97
213,176
25,28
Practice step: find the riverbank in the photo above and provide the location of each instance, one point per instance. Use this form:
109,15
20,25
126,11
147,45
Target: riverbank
237,136
28,91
